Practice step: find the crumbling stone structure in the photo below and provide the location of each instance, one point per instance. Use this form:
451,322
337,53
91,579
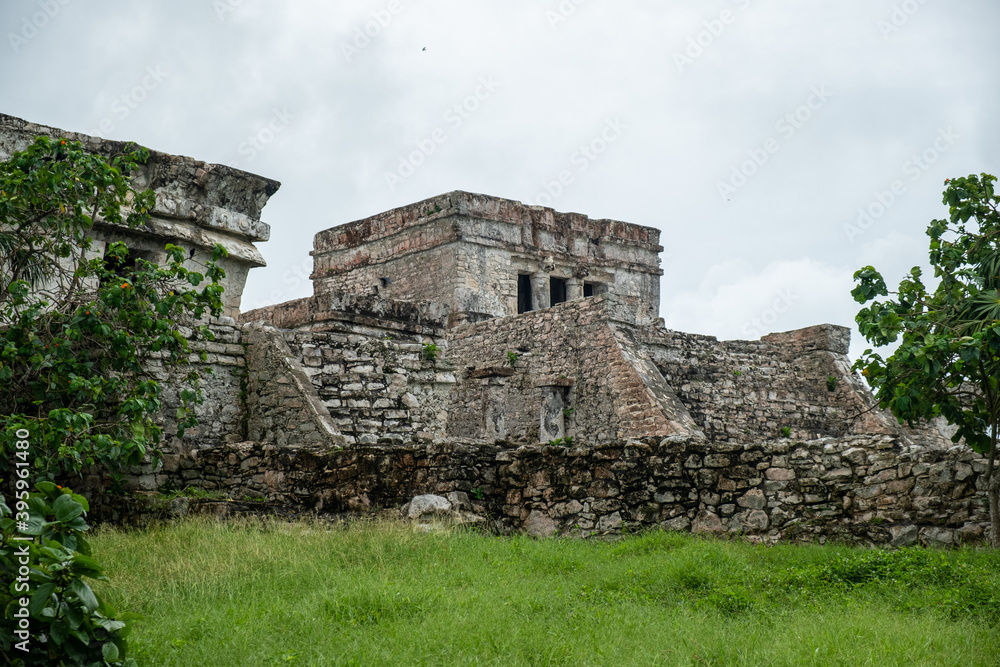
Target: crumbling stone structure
490,257
511,356
197,206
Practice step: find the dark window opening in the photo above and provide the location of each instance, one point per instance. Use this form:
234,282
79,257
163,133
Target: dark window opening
121,266
523,293
588,290
557,291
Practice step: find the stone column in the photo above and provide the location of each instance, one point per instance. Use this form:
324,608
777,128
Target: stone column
540,291
574,289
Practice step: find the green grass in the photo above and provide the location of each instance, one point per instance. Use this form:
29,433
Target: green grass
260,593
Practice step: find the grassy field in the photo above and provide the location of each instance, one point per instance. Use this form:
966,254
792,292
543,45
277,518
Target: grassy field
380,594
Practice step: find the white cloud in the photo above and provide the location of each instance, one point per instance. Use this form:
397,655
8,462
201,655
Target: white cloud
736,302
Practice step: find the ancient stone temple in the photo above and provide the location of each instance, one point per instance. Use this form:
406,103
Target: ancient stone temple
512,356
490,257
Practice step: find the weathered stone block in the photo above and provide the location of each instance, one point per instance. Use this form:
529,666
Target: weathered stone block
753,520
753,499
707,522
539,524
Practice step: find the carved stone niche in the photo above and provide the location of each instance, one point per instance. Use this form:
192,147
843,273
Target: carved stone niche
494,400
555,400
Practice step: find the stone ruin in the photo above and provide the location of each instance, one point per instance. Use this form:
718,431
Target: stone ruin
510,357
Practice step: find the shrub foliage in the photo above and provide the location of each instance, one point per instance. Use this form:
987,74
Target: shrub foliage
64,621
80,328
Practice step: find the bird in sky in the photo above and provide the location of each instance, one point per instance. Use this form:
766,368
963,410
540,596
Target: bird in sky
425,48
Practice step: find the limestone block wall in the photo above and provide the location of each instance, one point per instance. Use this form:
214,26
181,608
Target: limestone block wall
280,403
487,280
377,389
740,391
221,416
432,278
366,363
580,352
863,489
860,489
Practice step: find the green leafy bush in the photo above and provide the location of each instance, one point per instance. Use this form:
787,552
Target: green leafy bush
79,330
51,615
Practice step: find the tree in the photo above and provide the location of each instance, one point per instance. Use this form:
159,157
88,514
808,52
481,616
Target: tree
948,360
81,329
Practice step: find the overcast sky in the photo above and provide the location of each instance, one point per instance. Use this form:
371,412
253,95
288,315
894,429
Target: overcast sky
751,132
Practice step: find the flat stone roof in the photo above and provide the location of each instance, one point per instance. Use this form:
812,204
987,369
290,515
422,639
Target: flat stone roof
483,207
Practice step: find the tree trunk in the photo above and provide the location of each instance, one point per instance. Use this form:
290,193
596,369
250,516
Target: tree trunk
993,491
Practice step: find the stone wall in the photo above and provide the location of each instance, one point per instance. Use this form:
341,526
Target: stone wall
368,361
221,416
432,278
868,490
580,358
281,405
739,391
378,389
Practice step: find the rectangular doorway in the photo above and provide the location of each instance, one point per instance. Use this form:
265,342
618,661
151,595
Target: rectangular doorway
557,291
523,293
